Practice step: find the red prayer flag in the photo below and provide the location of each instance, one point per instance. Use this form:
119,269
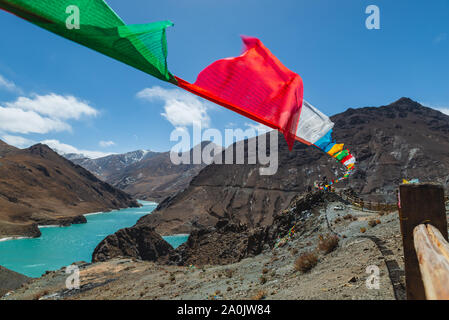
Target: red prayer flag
255,84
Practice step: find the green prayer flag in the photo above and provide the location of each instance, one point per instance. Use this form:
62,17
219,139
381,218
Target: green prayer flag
94,24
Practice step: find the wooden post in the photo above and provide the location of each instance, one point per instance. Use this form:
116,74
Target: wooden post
420,204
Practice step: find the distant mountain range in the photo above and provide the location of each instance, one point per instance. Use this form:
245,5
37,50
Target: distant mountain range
400,140
146,175
38,186
110,165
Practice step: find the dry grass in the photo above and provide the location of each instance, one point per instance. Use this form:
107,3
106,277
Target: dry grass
306,261
39,295
261,294
327,243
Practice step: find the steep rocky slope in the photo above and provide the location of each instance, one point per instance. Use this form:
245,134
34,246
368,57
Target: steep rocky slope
400,140
37,186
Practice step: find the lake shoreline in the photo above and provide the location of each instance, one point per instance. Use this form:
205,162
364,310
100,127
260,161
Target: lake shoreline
57,248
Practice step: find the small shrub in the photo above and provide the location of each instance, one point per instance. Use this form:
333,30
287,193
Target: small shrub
263,280
229,289
229,273
37,296
261,294
172,277
294,251
362,230
372,223
348,217
161,285
378,221
265,271
328,243
306,262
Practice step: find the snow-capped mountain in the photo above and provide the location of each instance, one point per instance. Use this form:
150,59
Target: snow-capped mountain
109,165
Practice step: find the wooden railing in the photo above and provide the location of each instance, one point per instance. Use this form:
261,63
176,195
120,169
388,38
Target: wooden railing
423,222
369,205
432,251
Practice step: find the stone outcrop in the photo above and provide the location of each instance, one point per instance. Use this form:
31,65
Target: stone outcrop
140,242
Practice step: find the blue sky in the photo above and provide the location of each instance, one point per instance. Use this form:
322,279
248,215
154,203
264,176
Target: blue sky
342,63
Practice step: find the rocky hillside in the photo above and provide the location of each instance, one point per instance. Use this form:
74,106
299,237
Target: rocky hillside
252,268
400,140
10,280
37,186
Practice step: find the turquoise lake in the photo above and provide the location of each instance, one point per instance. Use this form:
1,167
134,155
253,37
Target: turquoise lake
60,246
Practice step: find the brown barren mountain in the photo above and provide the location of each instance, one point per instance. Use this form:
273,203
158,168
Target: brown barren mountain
400,140
37,186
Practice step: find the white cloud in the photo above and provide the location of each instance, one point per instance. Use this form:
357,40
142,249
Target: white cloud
105,144
17,141
182,109
20,121
444,110
63,148
8,85
42,114
55,106
440,108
